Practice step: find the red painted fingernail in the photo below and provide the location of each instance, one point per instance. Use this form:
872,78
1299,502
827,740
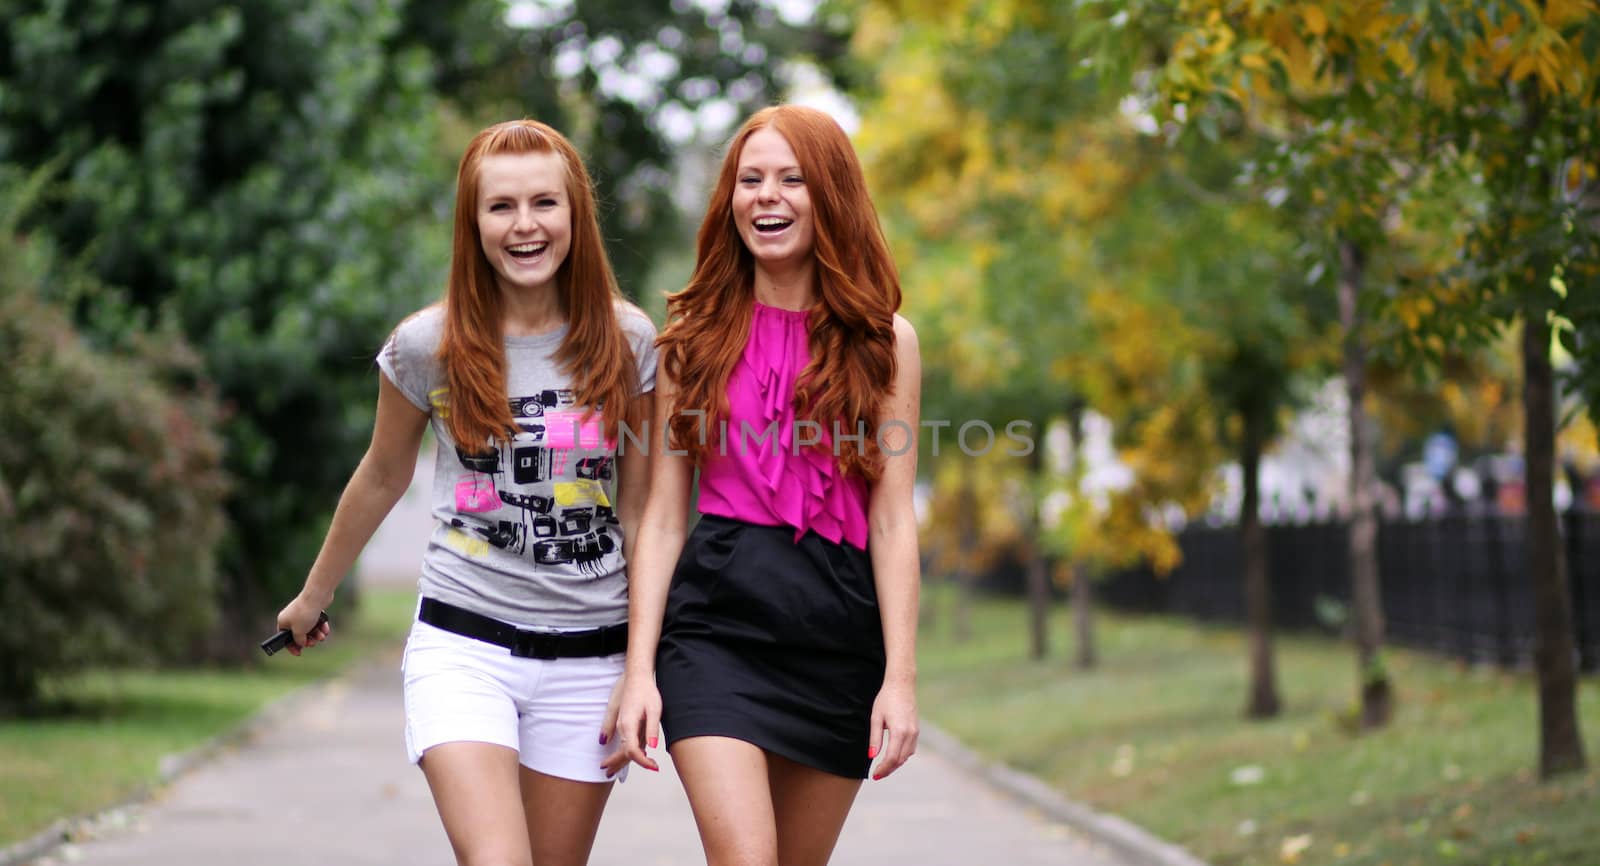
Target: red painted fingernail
877,778
652,742
653,769
872,752
602,739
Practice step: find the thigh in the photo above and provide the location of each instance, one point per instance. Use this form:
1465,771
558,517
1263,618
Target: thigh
562,816
475,789
726,781
809,807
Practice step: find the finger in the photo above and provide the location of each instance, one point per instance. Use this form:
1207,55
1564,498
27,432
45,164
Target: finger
644,737
885,753
614,762
875,737
904,746
652,727
637,754
608,725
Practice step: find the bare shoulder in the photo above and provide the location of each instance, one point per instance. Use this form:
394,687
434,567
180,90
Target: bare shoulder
905,337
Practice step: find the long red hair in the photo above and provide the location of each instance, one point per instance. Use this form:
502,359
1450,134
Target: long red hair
595,352
852,363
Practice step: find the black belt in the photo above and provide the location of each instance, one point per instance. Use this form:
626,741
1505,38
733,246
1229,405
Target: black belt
523,643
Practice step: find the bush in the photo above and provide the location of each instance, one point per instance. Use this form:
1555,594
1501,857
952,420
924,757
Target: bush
110,492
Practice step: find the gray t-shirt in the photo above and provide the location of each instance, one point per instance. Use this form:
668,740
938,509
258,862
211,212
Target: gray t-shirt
529,534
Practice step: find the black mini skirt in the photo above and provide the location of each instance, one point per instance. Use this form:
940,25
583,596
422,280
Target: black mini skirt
774,642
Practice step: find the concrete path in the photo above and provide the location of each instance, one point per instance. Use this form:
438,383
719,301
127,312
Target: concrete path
323,778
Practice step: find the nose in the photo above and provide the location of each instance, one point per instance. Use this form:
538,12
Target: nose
768,191
524,220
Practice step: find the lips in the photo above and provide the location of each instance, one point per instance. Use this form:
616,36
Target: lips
528,252
771,224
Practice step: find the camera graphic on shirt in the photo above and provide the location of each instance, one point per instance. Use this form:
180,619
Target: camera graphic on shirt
504,534
530,464
534,406
585,549
539,504
576,521
595,468
487,462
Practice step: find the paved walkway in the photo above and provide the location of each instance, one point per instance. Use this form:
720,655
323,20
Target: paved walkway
324,780
329,783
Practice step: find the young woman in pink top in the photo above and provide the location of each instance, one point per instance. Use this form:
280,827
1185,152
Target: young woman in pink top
776,646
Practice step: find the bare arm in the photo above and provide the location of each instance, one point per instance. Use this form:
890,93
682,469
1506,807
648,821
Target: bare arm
659,539
892,543
377,484
633,475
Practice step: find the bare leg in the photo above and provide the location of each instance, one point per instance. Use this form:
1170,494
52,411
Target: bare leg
810,807
726,780
563,816
476,792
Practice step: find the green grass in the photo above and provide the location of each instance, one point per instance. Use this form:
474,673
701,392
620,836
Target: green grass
116,726
1156,734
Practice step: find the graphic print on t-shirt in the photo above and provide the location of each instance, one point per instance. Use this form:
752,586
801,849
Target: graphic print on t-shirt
563,512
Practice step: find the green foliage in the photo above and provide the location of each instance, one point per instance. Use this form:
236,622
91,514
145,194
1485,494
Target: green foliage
275,177
111,491
264,176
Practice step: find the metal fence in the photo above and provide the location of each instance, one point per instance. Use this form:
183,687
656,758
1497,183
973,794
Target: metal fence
1454,585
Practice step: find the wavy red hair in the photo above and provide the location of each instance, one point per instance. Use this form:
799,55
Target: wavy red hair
595,352
852,324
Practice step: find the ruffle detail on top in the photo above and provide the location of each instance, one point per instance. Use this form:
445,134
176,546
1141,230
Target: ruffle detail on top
805,491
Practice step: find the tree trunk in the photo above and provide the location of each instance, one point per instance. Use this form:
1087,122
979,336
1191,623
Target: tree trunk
1082,577
1366,597
1264,701
1560,741
966,540
1083,618
1038,577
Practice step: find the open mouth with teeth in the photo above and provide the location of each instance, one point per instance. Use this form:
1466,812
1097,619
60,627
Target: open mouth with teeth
772,225
528,252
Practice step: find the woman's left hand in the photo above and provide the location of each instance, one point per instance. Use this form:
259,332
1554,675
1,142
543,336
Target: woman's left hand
894,726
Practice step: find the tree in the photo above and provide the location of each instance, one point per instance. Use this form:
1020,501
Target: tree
1508,89
110,485
262,176
273,177
1028,177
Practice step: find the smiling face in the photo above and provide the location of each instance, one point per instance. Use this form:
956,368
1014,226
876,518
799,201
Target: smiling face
524,218
771,206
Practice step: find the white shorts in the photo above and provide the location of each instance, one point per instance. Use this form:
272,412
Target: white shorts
458,689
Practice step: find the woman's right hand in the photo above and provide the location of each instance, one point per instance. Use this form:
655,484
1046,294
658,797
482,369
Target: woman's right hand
633,717
300,618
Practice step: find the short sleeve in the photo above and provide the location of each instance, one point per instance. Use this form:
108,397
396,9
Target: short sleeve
409,358
641,333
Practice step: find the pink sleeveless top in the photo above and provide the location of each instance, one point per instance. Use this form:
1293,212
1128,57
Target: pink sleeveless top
755,475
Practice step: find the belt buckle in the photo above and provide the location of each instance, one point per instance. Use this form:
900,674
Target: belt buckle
536,645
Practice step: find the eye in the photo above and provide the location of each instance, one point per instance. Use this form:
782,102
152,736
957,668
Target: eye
749,181
546,202
498,206
794,180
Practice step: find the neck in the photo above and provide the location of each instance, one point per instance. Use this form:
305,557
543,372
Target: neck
790,288
528,313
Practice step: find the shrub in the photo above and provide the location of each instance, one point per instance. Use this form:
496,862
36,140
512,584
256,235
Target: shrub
110,491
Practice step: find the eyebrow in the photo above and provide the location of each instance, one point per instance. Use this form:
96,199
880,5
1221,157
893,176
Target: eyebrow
503,195
748,168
